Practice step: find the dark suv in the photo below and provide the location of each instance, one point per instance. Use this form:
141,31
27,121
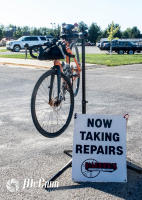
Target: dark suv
122,46
17,45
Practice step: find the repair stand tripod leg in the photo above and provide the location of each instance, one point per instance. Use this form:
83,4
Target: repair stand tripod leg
53,178
134,166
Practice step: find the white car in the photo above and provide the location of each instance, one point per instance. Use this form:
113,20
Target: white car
17,45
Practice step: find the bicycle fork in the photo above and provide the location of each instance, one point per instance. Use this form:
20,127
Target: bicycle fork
57,100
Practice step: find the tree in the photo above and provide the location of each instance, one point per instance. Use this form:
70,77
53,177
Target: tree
135,32
18,33
132,33
35,31
44,30
82,26
94,32
25,31
118,34
111,33
104,33
1,34
125,34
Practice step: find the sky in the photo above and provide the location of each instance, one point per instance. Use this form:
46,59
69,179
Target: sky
40,13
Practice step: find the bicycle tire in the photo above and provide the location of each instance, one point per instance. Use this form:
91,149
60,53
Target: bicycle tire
36,53
34,112
76,83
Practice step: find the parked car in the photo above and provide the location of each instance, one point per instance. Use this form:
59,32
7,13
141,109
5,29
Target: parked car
3,42
98,44
121,46
49,38
89,44
102,44
17,45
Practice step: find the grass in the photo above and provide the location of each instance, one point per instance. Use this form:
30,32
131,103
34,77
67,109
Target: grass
19,56
101,59
113,60
3,50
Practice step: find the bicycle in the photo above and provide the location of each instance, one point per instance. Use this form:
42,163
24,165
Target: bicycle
58,86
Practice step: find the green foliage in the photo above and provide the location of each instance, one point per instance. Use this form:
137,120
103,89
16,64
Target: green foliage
25,30
1,34
118,34
14,32
17,33
94,32
82,26
112,31
132,33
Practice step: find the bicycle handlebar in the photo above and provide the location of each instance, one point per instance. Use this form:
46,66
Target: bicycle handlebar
56,42
81,35
71,36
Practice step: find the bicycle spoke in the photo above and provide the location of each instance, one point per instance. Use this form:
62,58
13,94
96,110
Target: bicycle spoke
50,115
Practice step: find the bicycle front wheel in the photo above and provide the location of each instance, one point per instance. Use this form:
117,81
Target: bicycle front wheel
52,117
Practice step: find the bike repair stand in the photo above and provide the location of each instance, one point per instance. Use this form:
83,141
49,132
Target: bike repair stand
130,165
26,50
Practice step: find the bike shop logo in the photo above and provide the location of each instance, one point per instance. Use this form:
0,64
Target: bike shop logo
91,168
12,185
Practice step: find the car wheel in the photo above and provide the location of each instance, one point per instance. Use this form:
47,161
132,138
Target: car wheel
130,52
121,52
16,48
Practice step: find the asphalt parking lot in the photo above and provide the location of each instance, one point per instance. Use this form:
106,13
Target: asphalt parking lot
25,154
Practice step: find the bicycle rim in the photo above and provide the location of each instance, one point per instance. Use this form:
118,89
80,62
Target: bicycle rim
51,119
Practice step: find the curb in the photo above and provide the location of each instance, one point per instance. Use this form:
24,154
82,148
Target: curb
89,66
24,65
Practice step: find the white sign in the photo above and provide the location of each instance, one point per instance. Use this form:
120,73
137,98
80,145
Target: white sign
99,148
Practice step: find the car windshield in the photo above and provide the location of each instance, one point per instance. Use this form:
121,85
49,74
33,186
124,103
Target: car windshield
132,43
20,38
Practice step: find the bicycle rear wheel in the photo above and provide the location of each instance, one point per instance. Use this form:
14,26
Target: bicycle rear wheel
52,117
75,80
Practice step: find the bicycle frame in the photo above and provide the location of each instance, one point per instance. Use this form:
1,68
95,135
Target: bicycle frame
58,66
57,62
68,58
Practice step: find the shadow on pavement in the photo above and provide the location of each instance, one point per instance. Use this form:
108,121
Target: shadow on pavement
130,190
